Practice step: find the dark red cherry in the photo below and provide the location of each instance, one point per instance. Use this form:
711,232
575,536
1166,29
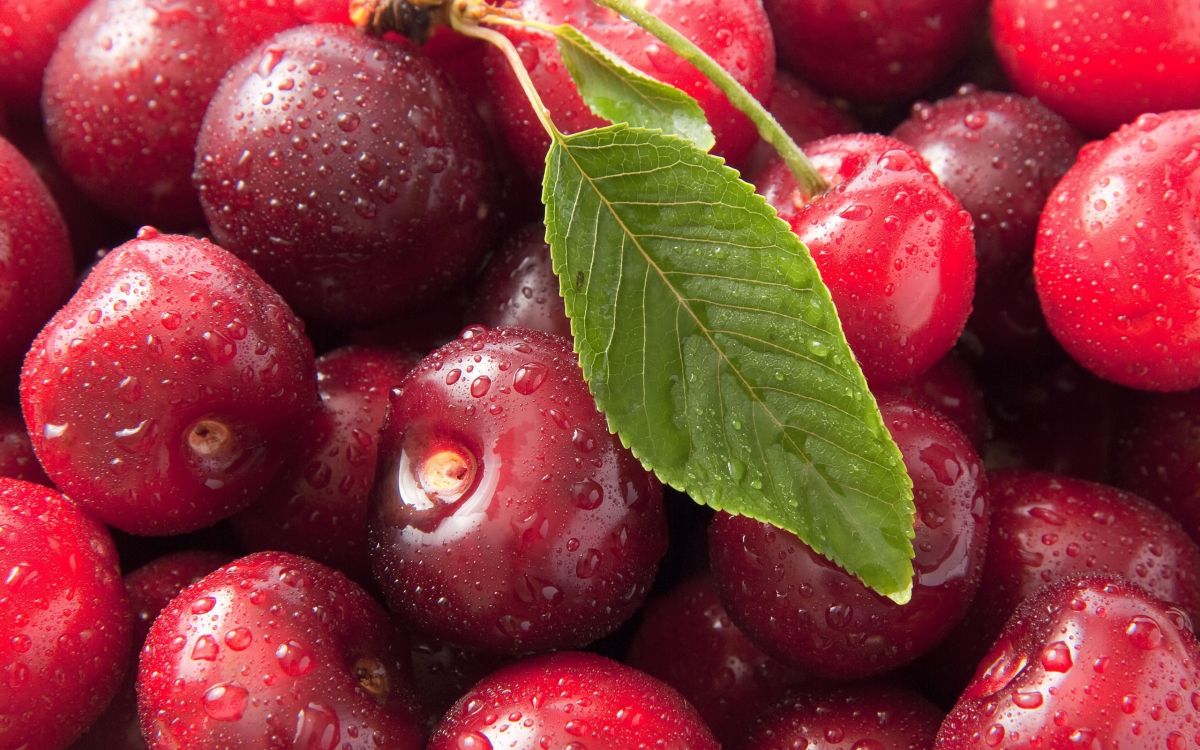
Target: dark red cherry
803,609
734,32
519,287
29,31
506,517
572,701
444,673
127,88
687,640
348,171
893,245
319,503
804,114
950,388
17,460
1157,454
865,716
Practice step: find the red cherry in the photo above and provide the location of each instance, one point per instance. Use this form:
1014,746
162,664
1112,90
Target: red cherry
571,700
1101,63
1118,255
29,31
949,388
17,460
735,33
519,287
276,646
804,610
892,244
507,519
1093,662
64,618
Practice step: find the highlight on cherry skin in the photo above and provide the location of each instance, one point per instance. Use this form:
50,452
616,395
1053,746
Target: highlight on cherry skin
296,451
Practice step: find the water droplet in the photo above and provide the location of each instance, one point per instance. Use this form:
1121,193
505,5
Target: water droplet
294,659
480,386
1057,657
205,649
203,604
226,701
587,494
317,728
238,639
1144,633
529,377
473,741
1027,699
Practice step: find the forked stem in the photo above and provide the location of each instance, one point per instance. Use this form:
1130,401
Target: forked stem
810,181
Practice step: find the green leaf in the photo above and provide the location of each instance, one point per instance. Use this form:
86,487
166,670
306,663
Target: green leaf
621,94
714,349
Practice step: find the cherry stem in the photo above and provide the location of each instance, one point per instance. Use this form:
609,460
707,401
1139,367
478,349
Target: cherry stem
810,181
461,21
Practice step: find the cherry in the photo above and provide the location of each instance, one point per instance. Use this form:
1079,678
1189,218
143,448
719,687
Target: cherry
866,716
150,588
17,460
949,388
1091,662
169,391
1007,325
1117,254
444,673
1101,63
318,505
29,30
37,270
687,640
735,33
348,171
1000,154
872,50
893,246
1055,417
507,519
1158,453
64,618
804,114
519,287
276,648
1046,528
126,90
571,700
802,609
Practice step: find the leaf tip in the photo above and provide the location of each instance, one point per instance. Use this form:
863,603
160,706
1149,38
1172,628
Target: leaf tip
902,597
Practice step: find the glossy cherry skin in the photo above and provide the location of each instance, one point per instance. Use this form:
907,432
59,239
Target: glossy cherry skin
865,716
64,618
1157,454
1046,528
571,698
804,114
151,587
169,391
1091,662
872,50
735,33
687,640
1000,154
950,388
1101,63
506,518
127,88
276,648
348,171
893,246
1118,255
804,610
37,271
29,31
319,504
519,287
17,460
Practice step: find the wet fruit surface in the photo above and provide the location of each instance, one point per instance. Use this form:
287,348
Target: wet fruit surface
17,460
687,640
36,270
319,504
271,649
806,611
347,171
506,517
519,287
1094,662
127,87
167,393
735,33
867,716
893,246
1101,63
29,31
571,699
64,618
949,388
1118,255
1158,453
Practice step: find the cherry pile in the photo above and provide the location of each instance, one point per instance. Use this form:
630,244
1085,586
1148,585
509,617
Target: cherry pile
295,451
